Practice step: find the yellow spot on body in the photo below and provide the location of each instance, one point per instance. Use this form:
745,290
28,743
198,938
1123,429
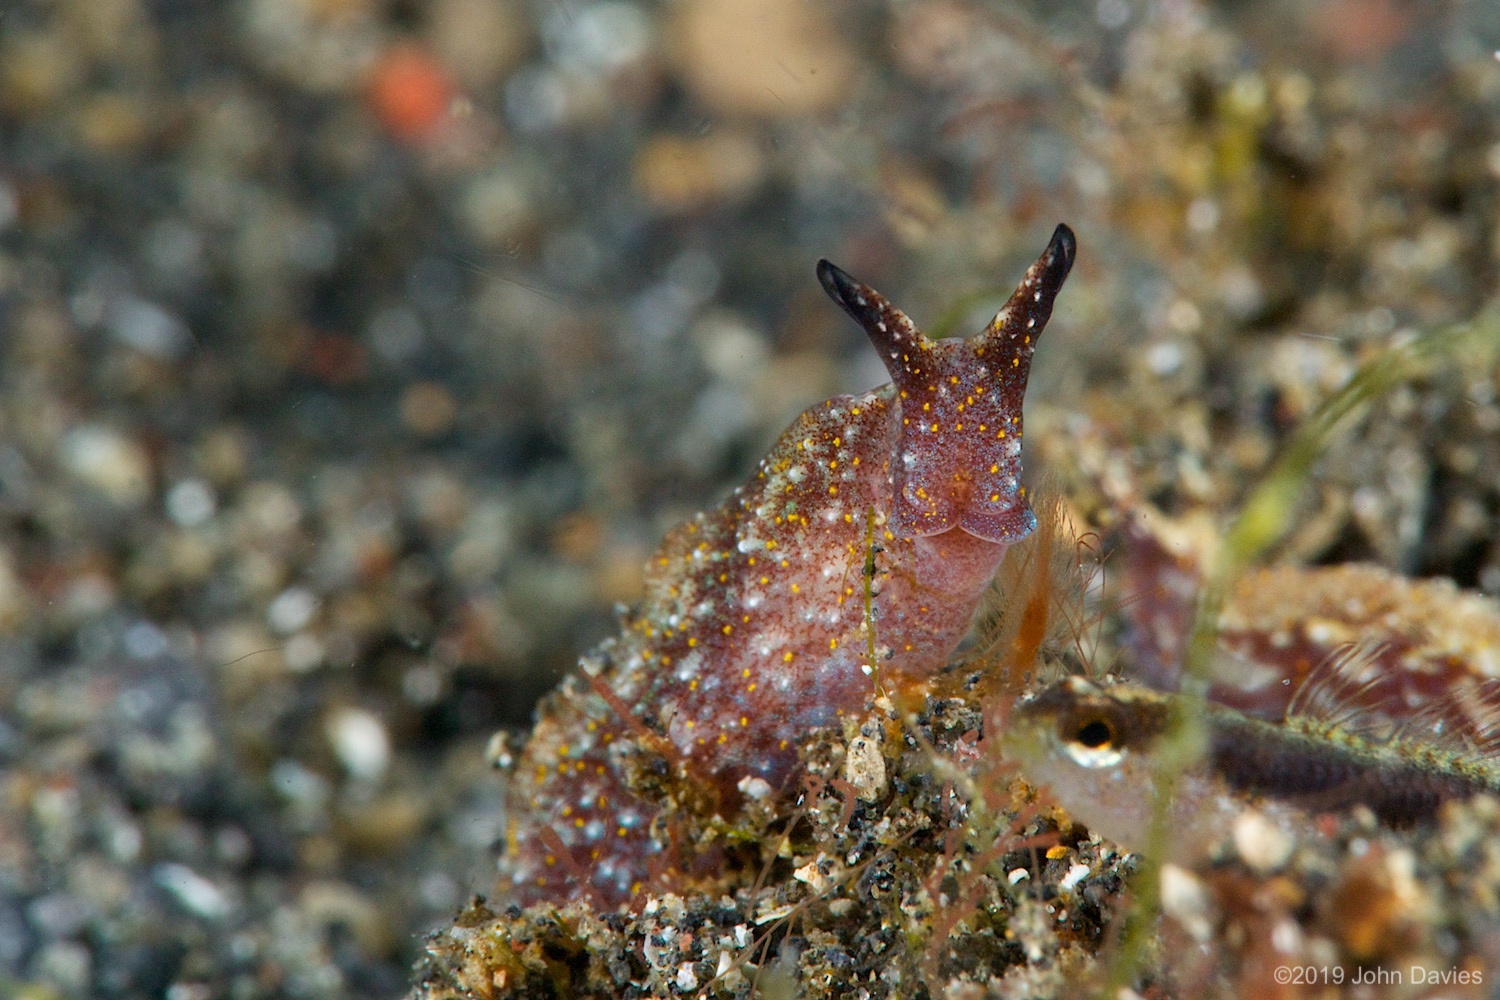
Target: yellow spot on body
692,642
786,658
833,644
796,589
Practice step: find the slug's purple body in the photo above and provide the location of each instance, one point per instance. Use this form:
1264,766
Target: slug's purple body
874,526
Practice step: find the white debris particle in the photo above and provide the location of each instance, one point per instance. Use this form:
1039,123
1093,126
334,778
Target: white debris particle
1075,875
864,768
687,979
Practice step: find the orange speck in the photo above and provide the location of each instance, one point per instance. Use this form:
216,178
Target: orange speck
410,92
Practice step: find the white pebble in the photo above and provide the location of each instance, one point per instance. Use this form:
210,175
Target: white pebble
687,979
196,893
1262,846
108,461
292,609
191,502
360,742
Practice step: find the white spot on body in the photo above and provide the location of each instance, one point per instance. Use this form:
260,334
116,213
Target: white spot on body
754,788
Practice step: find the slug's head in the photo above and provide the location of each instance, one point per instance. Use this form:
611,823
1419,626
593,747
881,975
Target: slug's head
958,457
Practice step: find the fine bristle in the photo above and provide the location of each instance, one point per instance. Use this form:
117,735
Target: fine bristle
1037,622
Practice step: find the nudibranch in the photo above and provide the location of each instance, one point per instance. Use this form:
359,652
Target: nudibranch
858,551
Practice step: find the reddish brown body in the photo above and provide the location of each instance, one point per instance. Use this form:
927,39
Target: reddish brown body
860,548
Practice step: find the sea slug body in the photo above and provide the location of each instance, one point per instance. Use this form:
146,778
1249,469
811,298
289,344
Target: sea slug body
857,551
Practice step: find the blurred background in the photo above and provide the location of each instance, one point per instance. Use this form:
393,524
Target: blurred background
356,353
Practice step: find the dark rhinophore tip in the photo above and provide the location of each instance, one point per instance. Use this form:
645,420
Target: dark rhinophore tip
836,282
861,302
1064,248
